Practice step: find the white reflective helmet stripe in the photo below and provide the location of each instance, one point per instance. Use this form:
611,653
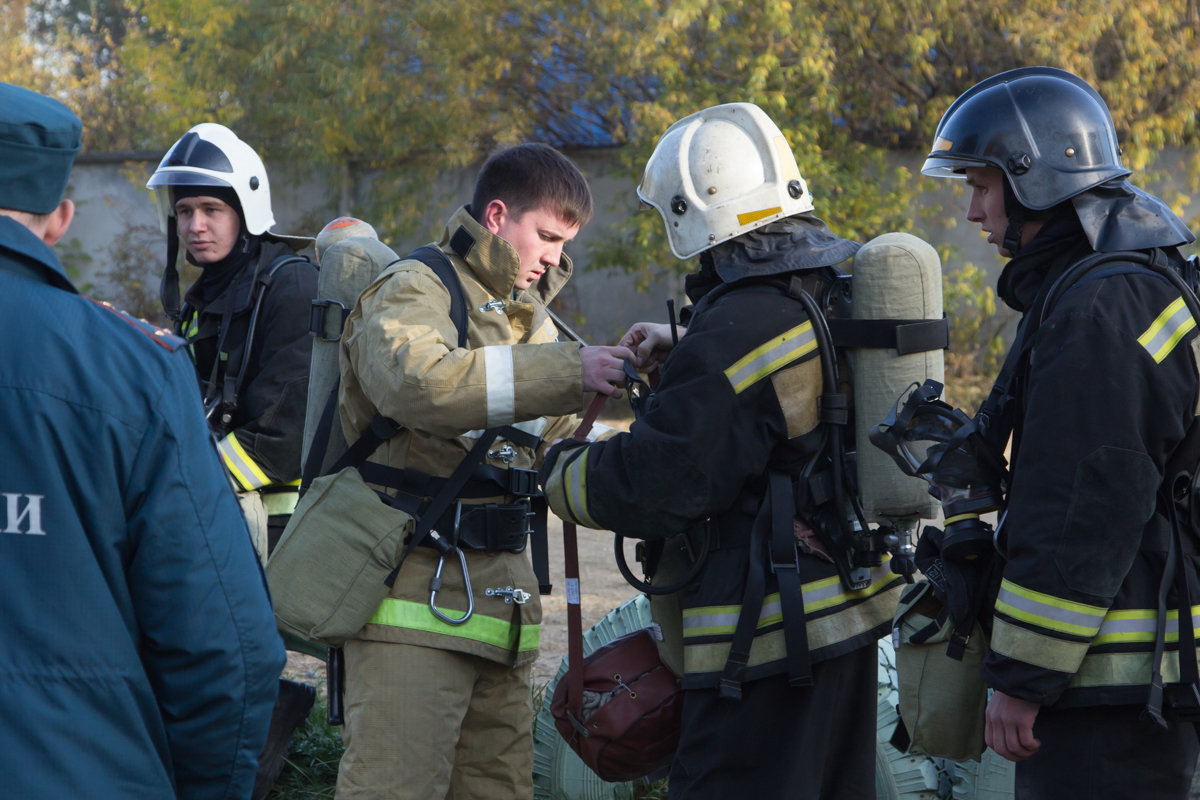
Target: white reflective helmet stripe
499,375
248,474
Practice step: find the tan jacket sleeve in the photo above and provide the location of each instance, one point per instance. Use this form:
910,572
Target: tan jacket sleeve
402,346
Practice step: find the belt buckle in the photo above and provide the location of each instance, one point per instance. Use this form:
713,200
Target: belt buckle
523,482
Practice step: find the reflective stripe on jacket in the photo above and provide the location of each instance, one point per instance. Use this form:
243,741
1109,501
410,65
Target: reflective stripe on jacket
400,358
1108,394
737,396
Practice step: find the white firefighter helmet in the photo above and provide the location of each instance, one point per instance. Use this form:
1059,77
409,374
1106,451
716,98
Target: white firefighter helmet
719,173
212,155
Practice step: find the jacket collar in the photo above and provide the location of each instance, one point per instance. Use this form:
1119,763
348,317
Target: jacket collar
495,263
32,253
239,294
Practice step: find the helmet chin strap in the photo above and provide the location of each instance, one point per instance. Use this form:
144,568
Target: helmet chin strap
1016,220
1012,236
169,288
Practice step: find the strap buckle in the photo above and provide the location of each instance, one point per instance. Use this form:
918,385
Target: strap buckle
523,482
317,318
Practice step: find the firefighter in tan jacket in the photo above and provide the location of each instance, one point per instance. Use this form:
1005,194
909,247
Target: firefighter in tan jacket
437,691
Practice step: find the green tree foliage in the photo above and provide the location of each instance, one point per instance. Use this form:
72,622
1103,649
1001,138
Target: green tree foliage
391,95
407,90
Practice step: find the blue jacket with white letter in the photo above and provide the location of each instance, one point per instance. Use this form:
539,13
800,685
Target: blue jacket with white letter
139,653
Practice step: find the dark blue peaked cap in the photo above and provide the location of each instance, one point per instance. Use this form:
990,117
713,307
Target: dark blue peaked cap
39,138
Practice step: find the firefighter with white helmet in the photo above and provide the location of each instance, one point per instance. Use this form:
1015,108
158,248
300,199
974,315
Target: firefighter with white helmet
778,661
245,320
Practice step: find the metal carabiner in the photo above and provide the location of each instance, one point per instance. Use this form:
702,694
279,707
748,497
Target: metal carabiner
435,585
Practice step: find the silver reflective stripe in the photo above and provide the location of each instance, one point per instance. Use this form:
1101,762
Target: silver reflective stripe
722,620
575,481
819,595
1165,332
243,469
501,386
772,356
534,427
1141,625
1049,612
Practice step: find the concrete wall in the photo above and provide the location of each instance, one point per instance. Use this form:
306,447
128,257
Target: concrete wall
117,250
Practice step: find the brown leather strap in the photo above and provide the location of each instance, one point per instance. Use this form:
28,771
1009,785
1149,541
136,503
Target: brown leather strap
574,615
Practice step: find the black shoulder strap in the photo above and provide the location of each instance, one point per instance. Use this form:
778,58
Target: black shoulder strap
232,385
437,261
381,428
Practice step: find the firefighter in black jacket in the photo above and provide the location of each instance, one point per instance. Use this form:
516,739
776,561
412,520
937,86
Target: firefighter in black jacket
245,320
1100,394
787,708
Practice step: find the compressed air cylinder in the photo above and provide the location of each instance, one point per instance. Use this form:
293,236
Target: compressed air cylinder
897,277
351,256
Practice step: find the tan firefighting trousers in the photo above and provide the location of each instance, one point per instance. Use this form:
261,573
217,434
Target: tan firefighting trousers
424,724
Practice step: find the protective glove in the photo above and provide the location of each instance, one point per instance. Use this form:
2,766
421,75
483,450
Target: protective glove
962,587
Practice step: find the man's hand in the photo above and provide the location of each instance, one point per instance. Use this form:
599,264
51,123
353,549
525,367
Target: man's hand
604,369
651,342
1009,729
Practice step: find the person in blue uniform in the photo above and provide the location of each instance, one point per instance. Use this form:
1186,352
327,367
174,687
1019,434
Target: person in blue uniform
140,657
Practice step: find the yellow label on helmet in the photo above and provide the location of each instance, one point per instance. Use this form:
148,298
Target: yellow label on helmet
940,144
754,216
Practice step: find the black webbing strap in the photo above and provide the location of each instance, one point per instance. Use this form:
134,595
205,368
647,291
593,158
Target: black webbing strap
905,336
1154,703
440,504
235,375
785,564
437,261
730,682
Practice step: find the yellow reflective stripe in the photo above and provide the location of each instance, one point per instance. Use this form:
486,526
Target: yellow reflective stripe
818,595
1140,625
277,503
772,356
1124,669
243,469
754,216
1167,329
188,329
479,628
1037,649
862,617
827,593
1049,612
575,481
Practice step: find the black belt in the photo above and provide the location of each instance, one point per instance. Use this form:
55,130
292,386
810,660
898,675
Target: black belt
490,527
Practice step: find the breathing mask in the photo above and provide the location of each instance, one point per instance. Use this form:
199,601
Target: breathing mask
944,447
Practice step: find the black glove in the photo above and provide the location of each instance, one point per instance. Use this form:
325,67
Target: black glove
962,587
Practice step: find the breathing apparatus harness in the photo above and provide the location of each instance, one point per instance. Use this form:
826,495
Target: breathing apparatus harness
962,463
1177,494
221,395
824,492
442,520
